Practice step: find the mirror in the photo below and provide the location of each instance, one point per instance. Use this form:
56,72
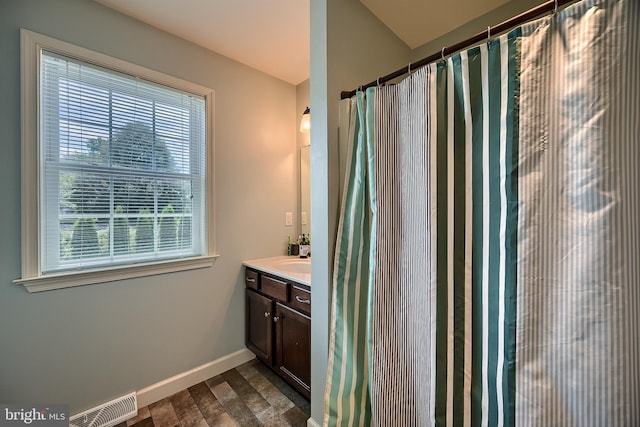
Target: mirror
305,190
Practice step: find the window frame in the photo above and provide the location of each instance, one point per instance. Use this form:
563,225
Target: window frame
32,277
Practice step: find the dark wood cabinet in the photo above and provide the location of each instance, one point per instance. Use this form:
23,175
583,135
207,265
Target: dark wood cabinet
259,326
293,347
278,326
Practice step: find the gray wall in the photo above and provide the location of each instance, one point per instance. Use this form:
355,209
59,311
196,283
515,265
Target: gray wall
86,345
492,18
349,46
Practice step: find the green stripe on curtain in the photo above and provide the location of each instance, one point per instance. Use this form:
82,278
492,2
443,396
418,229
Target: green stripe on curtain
491,238
370,215
476,106
347,401
440,128
457,105
511,228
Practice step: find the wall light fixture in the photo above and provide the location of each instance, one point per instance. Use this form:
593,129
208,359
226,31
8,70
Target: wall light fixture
305,122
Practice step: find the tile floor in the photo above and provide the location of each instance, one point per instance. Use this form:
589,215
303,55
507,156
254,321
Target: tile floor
249,395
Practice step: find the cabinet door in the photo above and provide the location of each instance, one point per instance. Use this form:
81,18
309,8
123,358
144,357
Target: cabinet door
259,313
293,347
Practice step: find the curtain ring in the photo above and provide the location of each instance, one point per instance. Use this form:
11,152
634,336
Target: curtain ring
489,33
409,68
442,53
378,81
555,7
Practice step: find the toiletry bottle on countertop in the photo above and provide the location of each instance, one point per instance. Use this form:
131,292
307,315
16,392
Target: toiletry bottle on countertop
304,246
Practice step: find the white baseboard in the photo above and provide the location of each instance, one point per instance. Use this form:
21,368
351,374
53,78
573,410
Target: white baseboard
311,423
170,386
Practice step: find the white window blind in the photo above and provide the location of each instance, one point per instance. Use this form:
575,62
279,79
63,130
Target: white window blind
123,164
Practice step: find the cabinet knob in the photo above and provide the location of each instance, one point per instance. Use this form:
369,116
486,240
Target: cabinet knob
267,314
276,318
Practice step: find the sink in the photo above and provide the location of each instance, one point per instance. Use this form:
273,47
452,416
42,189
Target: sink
295,265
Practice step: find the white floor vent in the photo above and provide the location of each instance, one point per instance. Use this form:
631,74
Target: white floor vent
108,414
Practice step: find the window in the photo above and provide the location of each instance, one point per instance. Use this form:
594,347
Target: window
120,168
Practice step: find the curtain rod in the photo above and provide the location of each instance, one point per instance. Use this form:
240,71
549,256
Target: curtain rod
549,6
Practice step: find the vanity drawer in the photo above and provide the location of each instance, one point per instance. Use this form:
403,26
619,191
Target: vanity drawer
300,299
274,288
251,278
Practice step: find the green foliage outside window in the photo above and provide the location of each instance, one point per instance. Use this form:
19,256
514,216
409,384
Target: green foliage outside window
84,240
133,147
144,232
121,233
167,230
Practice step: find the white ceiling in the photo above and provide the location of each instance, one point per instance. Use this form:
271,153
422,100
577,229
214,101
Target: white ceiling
273,36
269,35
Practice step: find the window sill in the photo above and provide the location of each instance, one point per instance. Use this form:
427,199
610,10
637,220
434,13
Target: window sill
90,277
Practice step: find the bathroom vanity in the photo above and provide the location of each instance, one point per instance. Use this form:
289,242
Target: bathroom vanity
278,317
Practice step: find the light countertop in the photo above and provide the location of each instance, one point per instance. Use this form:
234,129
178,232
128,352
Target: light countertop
287,267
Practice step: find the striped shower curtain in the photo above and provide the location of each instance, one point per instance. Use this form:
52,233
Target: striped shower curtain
487,268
